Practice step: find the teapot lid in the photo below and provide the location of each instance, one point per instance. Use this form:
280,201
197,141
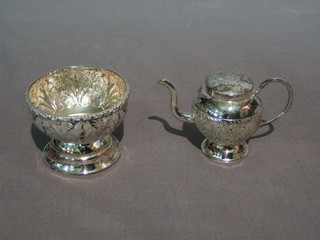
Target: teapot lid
228,85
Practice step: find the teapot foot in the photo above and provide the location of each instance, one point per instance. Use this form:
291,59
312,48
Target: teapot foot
225,155
82,159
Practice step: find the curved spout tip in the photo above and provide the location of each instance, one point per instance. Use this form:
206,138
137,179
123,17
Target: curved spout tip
167,84
163,81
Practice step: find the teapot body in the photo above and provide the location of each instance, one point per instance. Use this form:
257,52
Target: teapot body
227,111
227,123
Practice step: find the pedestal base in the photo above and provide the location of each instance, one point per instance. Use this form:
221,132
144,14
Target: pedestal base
225,155
82,159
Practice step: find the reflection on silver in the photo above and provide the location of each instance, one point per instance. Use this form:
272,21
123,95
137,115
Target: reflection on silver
79,108
227,112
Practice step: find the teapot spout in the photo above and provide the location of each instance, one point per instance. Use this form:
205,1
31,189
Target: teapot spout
182,116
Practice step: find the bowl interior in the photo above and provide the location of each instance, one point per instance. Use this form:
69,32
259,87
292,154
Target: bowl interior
77,91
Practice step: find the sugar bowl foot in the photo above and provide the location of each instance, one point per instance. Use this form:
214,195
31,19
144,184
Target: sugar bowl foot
82,159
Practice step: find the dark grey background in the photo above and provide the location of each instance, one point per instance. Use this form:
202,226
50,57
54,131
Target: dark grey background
162,187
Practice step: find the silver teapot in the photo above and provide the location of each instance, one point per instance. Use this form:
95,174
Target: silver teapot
227,111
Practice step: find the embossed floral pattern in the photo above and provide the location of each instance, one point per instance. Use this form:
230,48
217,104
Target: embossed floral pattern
60,90
227,132
78,104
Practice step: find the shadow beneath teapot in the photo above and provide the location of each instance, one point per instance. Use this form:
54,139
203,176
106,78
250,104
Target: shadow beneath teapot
190,131
266,133
41,140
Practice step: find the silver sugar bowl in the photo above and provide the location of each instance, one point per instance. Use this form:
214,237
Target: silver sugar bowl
227,111
79,107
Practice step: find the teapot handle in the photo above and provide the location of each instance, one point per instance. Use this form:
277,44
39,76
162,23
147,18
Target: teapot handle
289,101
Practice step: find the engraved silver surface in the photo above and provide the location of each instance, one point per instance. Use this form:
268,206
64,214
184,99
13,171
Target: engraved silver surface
227,112
79,107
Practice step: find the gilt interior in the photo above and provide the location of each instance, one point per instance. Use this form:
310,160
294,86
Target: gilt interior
77,91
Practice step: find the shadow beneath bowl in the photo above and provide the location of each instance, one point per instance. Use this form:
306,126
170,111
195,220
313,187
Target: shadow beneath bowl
118,133
190,131
41,140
